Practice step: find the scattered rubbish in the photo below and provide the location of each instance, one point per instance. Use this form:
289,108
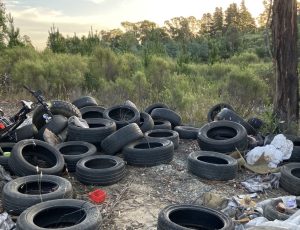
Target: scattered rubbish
260,183
97,196
280,149
6,222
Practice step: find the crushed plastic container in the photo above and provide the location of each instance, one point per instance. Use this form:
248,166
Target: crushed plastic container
97,196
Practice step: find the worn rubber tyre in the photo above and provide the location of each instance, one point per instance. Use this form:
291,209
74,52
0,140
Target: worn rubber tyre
73,151
117,140
146,122
185,216
149,152
166,114
56,125
26,155
161,124
92,112
255,122
100,170
213,111
155,106
164,134
271,213
25,132
212,165
229,115
187,132
24,192
63,214
6,147
85,101
122,115
130,103
290,178
98,130
57,107
222,136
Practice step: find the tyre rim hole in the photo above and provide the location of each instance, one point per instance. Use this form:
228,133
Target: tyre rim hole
160,134
92,114
73,150
221,133
149,145
96,125
196,219
158,123
296,143
37,188
121,114
100,163
59,217
296,172
39,156
212,160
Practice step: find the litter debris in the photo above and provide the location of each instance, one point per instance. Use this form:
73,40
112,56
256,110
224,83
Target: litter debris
78,122
6,222
278,150
260,183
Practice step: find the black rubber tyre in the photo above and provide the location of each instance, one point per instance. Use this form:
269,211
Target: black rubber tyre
116,141
130,103
222,136
229,115
255,122
212,165
56,125
98,130
149,152
100,170
166,114
271,213
122,115
161,124
73,151
155,106
213,111
146,122
290,178
85,101
6,147
187,132
164,134
185,216
92,112
25,132
56,107
26,155
23,192
62,214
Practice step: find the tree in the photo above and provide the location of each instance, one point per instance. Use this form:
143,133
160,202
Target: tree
56,41
3,27
218,21
246,21
13,34
232,19
206,24
284,36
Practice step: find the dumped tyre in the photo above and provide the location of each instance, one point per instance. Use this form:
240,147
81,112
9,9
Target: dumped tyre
146,122
25,132
290,178
73,151
271,213
212,165
229,115
56,125
24,192
130,103
56,107
164,134
184,216
6,148
222,136
85,101
92,112
122,115
98,130
29,157
166,114
149,152
255,122
67,214
100,170
155,106
117,140
161,124
213,111
187,132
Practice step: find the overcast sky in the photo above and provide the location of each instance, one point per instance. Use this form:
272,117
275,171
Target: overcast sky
35,17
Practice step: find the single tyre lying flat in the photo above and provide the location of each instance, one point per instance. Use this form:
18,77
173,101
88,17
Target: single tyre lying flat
187,132
164,134
290,178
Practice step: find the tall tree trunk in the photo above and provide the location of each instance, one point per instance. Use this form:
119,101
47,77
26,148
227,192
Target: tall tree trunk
284,36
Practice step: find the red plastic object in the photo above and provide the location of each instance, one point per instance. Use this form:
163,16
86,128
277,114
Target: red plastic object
98,196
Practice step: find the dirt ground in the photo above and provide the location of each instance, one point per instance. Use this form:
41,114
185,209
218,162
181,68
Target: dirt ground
134,202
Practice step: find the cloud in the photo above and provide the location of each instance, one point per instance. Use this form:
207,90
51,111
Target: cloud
96,1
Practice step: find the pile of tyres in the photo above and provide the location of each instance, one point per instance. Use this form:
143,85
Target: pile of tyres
92,136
